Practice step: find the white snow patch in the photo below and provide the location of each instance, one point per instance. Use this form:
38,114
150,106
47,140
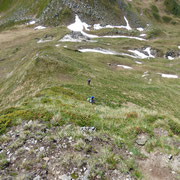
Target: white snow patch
31,23
65,46
178,47
129,37
129,55
68,38
78,25
139,54
148,50
104,51
138,62
43,41
39,28
170,58
125,67
140,29
57,45
145,74
169,76
143,35
89,35
127,26
98,26
142,55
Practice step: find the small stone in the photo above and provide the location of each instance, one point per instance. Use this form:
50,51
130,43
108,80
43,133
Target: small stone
64,145
89,138
142,139
65,177
46,158
170,157
173,172
26,148
37,178
8,152
131,153
86,175
13,158
41,149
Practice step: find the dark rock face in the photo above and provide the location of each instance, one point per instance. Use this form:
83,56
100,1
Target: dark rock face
75,36
59,12
172,53
78,35
92,13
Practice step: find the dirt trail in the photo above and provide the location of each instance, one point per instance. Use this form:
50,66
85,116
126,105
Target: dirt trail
156,168
19,32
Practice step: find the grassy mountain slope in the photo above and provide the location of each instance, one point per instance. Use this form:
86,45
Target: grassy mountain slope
43,103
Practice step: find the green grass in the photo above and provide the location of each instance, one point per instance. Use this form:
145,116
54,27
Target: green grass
10,116
48,84
34,6
154,8
166,19
172,6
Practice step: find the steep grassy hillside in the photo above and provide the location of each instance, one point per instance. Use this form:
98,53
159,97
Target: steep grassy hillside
47,85
49,130
160,11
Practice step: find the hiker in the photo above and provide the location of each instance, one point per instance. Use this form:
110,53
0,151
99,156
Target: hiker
89,82
91,100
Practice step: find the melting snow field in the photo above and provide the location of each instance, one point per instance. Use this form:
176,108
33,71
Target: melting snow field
43,41
57,45
98,26
140,29
169,76
170,58
136,52
68,38
148,50
102,51
142,55
79,26
31,23
143,35
39,28
119,36
125,67
138,62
